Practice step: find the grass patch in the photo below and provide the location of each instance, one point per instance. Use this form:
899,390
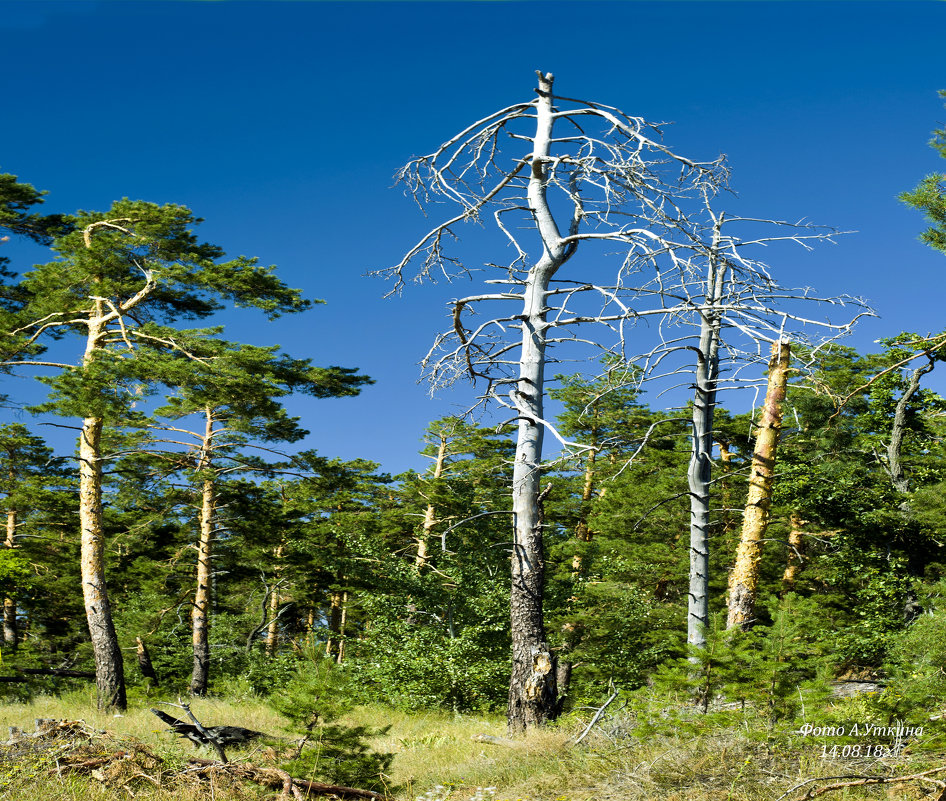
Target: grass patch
437,757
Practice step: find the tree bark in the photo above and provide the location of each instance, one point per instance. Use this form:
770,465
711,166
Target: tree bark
894,461
341,628
796,552
10,634
200,614
144,662
272,630
532,690
109,666
430,517
743,581
582,531
700,470
336,608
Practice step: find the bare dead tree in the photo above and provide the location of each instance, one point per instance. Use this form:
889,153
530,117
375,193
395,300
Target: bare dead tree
720,311
607,179
588,173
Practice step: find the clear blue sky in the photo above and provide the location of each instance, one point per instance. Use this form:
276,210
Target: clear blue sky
282,124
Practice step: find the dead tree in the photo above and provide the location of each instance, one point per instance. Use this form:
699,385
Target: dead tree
589,173
583,172
744,579
721,307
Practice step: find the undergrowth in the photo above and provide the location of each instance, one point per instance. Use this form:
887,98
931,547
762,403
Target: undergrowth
646,751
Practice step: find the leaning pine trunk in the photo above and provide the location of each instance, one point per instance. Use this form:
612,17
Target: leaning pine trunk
744,579
532,690
109,666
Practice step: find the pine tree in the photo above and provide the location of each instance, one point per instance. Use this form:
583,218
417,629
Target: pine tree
118,280
235,391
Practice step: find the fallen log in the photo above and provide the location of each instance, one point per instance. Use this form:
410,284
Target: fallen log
273,777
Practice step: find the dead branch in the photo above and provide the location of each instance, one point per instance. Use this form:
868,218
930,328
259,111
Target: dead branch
270,777
596,718
856,781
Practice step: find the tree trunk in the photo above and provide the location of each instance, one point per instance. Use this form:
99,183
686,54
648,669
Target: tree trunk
9,605
725,495
743,580
796,553
200,614
430,517
272,629
582,531
109,667
894,462
341,628
332,644
700,470
144,662
532,691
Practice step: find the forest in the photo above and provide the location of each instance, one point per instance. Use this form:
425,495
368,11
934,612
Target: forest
589,563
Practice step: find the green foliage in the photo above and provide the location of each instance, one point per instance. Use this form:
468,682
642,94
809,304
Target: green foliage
916,683
775,669
930,197
413,666
314,699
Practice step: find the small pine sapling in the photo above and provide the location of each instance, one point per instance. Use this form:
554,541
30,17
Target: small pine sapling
330,750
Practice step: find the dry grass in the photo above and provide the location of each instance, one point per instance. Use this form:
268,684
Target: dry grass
437,757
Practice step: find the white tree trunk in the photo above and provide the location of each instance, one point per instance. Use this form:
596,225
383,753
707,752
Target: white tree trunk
532,691
700,471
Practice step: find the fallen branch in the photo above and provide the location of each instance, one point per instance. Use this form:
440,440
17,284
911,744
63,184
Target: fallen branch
856,781
596,717
272,777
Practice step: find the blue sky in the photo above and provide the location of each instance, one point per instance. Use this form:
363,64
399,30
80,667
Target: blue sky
282,124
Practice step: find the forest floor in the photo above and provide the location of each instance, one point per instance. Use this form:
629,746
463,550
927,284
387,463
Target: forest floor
462,757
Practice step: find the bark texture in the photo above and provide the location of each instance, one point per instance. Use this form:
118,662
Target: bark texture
337,614
744,579
895,467
430,514
796,553
10,634
532,690
144,662
700,470
109,666
200,614
275,598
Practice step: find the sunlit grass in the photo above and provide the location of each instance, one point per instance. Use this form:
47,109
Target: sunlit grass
438,757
